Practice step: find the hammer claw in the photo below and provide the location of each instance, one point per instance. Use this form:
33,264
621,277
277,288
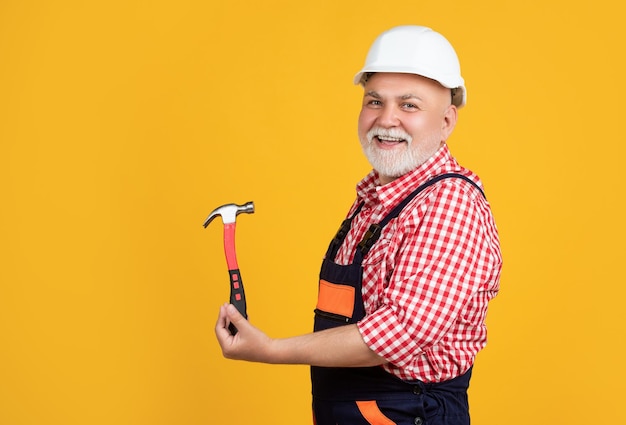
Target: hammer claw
229,212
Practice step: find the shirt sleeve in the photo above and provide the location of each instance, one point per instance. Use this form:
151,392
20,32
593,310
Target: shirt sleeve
442,256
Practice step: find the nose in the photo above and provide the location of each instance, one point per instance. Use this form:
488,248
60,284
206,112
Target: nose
388,117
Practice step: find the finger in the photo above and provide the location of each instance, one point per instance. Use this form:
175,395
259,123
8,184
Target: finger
235,317
221,326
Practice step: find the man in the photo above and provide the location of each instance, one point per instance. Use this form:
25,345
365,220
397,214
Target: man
405,283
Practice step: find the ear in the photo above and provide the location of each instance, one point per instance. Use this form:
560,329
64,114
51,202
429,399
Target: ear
448,121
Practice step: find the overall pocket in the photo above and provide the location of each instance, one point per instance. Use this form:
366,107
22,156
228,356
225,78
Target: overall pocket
335,301
372,414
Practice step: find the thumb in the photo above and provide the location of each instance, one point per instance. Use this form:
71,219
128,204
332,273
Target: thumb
235,317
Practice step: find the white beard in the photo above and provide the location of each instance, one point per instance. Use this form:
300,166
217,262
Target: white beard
396,162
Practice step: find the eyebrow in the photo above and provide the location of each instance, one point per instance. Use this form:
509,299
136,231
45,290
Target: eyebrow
375,95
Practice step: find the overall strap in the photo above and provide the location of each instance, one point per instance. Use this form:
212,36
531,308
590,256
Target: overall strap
341,234
373,233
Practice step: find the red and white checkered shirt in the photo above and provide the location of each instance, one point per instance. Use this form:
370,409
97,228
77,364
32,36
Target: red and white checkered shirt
429,278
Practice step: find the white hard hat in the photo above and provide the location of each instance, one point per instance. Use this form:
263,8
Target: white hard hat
412,49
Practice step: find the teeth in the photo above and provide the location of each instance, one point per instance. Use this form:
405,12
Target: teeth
388,135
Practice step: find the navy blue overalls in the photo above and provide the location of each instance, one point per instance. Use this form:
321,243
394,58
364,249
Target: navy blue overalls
371,395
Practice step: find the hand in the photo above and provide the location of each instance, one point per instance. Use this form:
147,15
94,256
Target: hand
337,347
249,343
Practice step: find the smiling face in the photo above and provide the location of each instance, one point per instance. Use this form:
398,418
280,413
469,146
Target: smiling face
404,120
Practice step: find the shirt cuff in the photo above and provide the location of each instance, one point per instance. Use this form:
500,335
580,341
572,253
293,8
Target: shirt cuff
386,336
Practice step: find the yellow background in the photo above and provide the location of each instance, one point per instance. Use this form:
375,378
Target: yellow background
124,123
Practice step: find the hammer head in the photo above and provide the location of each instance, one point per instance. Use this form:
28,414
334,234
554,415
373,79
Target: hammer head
229,212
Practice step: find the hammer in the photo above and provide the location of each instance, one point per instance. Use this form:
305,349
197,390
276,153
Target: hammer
229,213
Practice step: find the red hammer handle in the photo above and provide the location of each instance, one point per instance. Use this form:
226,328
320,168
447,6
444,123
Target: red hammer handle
237,294
229,246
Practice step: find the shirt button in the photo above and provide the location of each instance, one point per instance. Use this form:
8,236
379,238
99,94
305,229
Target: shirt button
418,421
417,390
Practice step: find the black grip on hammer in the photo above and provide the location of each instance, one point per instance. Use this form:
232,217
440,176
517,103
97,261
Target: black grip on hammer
237,296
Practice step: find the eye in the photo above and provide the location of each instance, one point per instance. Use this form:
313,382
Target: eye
410,106
374,103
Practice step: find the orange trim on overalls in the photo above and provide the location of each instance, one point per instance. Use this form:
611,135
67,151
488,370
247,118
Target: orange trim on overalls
336,299
372,414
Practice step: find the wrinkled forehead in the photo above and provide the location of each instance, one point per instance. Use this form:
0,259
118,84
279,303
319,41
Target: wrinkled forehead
404,86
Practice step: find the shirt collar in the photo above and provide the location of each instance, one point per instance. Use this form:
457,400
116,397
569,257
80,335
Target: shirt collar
371,192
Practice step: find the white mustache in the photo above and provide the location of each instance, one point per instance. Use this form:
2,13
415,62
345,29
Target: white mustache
388,134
